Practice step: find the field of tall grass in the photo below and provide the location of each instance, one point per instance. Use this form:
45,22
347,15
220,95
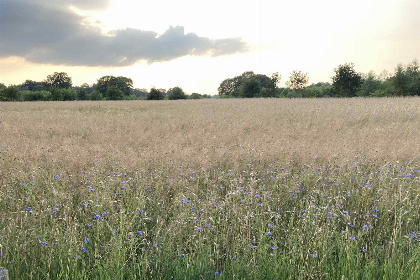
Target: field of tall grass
211,189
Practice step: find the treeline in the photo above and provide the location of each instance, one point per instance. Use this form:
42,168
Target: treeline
59,87
346,82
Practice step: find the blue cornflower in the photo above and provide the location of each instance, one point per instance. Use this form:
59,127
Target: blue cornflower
104,213
86,240
43,243
273,248
413,234
28,208
96,217
83,249
56,176
181,256
345,212
140,232
141,211
270,225
268,233
365,227
198,228
252,247
352,238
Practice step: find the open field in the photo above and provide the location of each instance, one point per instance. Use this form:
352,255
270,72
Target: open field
196,189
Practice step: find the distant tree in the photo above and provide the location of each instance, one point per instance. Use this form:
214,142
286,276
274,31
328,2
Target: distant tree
114,93
58,81
124,84
297,80
370,84
232,86
82,94
250,88
95,95
10,93
155,94
195,95
346,80
406,79
32,85
176,93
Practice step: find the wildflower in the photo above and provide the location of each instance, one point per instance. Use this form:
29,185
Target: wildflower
43,243
345,212
141,211
252,247
216,273
273,248
56,176
181,256
104,213
270,225
268,233
198,228
86,240
140,232
28,209
365,227
96,217
352,238
413,234
83,249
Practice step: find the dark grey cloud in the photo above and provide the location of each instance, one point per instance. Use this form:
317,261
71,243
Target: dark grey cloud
52,33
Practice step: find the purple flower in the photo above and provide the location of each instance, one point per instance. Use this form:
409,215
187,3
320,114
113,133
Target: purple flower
252,247
365,227
352,238
345,212
86,240
216,273
268,233
413,234
270,225
83,249
96,217
141,211
140,232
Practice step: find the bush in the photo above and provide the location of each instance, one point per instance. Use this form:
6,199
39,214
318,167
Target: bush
155,94
195,95
177,93
41,95
114,93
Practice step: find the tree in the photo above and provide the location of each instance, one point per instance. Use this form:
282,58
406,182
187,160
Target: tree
297,80
250,88
195,95
370,84
58,81
155,94
11,93
124,84
176,93
346,80
114,93
82,93
32,85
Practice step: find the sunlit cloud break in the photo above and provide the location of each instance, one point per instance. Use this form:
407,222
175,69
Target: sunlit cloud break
53,34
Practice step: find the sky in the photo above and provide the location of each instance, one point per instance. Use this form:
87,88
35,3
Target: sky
198,44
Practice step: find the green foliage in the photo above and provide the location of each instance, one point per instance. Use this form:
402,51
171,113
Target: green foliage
59,80
176,93
11,93
42,95
155,94
95,95
406,79
114,93
235,86
124,84
195,95
370,84
250,88
346,81
33,86
82,94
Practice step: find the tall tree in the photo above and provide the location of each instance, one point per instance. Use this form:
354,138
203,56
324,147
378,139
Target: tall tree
58,80
346,80
297,80
155,94
122,83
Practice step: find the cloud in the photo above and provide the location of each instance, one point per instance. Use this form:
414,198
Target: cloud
53,34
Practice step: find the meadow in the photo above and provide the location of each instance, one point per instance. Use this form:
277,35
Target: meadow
211,189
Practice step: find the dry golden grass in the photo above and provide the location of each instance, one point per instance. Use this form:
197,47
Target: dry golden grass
72,135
